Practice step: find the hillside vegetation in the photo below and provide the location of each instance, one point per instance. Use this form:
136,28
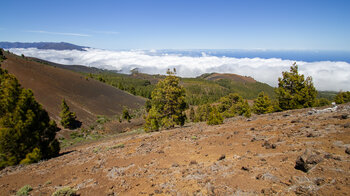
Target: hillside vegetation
88,98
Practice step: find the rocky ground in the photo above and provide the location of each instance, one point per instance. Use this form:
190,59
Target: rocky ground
294,152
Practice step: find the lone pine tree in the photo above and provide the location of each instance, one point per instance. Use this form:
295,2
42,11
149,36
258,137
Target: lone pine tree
68,118
294,91
167,104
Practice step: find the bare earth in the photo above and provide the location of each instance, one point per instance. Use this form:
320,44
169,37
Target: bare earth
239,157
87,97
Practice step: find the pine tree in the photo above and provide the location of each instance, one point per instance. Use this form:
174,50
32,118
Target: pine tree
26,132
68,118
215,118
342,97
202,113
321,102
234,104
262,104
168,104
126,114
294,91
2,56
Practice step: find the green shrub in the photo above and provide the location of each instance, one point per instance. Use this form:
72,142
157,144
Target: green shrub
126,114
262,104
120,145
32,157
65,191
215,118
102,119
342,97
234,104
202,113
24,190
321,102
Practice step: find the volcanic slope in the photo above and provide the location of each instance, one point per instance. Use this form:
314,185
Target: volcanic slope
87,97
233,77
240,157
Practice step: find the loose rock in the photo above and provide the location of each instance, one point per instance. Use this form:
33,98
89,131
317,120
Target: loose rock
308,160
222,157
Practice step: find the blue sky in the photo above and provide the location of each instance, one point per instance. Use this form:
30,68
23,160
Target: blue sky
180,24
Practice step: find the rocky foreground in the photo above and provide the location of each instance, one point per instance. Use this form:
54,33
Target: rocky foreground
294,152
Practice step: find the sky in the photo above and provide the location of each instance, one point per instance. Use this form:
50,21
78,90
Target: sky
180,24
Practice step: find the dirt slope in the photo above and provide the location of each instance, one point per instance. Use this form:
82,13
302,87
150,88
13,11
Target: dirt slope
50,85
239,157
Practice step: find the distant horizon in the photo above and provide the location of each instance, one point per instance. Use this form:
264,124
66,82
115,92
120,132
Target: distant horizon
184,49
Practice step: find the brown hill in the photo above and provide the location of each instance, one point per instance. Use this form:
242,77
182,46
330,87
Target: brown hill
86,97
234,77
240,157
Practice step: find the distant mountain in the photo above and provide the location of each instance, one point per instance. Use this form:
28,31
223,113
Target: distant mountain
229,76
42,45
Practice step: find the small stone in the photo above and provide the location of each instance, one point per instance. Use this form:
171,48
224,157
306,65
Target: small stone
244,168
319,181
259,176
175,165
347,125
295,121
193,162
158,191
347,150
344,116
300,190
222,157
267,145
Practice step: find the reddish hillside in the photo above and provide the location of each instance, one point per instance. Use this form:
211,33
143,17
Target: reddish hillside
234,77
86,97
240,157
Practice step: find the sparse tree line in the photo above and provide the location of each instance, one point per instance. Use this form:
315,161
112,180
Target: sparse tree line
167,105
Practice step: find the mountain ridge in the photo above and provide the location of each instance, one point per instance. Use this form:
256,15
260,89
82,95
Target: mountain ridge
43,45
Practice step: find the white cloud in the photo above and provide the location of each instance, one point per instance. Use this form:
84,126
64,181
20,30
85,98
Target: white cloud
326,75
60,33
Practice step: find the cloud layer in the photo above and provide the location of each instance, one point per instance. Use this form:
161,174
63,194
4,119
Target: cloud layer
326,75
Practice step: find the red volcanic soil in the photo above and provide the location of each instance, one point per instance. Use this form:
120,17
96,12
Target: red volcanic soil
86,97
255,156
234,77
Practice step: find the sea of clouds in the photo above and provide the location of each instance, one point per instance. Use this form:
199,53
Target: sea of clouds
327,75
